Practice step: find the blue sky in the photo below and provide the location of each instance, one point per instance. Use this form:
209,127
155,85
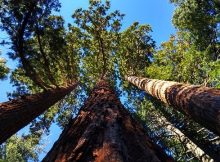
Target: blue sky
157,13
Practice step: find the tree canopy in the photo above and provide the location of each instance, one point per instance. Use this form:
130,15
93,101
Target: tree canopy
52,55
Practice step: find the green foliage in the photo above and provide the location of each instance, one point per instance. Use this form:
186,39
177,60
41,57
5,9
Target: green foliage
150,111
179,60
99,36
46,60
3,69
13,13
19,149
159,133
135,50
200,19
52,57
94,46
104,49
38,45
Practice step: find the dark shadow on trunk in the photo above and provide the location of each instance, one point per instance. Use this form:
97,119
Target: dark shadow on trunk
17,113
104,131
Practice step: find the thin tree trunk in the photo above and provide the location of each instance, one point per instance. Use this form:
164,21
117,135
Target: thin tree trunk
104,131
17,113
190,145
192,132
200,103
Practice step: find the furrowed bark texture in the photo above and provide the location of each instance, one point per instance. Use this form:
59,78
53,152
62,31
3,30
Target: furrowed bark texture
200,103
16,114
104,131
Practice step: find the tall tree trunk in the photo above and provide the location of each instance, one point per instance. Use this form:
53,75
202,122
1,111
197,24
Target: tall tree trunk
16,114
206,141
200,103
190,145
104,131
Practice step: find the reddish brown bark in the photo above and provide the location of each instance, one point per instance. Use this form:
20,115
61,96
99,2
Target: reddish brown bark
200,103
104,131
16,114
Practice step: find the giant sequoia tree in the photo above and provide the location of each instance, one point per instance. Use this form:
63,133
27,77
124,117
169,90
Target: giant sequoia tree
34,46
104,131
17,113
200,103
95,51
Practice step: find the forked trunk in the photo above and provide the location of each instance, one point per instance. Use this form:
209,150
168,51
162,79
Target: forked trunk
200,103
16,114
104,131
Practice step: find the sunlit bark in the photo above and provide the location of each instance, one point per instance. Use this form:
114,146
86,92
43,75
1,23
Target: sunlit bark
200,103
